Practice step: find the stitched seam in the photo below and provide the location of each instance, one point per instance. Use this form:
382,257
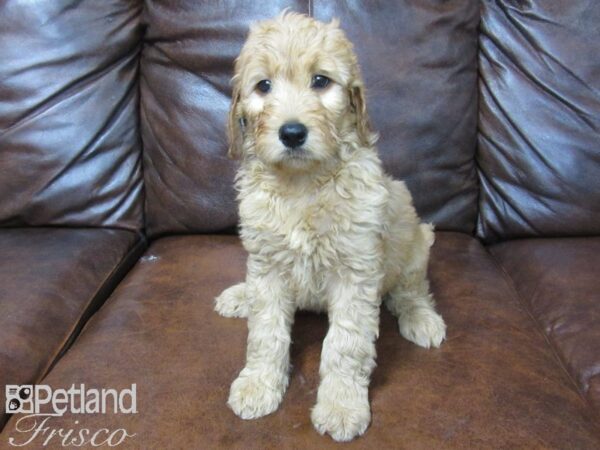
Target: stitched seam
78,326
550,344
94,299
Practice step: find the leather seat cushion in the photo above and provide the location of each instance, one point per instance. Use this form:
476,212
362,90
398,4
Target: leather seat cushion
51,280
493,383
557,279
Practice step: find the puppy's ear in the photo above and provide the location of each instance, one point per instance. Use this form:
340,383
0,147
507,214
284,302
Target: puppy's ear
363,125
235,124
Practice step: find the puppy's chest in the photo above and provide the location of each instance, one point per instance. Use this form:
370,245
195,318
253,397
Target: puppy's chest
307,237
301,229
302,240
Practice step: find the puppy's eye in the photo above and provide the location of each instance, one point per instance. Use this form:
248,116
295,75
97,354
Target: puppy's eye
263,86
319,82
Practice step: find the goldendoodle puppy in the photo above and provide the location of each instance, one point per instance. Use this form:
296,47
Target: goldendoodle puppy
324,227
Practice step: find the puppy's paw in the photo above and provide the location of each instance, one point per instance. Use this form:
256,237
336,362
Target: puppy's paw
232,302
253,395
343,413
424,327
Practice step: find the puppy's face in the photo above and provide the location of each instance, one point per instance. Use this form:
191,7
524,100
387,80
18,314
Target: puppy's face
297,94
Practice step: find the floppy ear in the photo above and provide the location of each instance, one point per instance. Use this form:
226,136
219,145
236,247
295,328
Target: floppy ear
363,125
235,125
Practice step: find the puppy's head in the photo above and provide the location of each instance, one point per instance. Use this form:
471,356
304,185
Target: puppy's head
297,94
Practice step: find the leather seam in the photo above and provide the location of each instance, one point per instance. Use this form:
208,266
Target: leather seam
549,343
127,260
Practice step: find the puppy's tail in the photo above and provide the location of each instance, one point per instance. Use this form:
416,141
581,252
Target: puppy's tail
427,233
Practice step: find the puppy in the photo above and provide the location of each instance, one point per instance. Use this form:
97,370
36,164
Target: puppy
325,229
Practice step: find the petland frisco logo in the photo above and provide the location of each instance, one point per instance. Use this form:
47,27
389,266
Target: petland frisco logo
36,426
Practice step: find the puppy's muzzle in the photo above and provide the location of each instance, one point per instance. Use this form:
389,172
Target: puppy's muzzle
293,134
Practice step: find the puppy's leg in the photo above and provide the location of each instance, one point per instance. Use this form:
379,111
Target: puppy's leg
259,388
347,360
233,302
411,301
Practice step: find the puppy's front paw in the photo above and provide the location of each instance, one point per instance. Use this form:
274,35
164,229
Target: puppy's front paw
424,327
232,302
342,413
253,395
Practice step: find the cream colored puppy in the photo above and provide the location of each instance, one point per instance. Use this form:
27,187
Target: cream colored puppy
324,227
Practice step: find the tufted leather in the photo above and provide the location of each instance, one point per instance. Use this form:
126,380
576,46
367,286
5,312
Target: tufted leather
493,384
539,119
69,144
51,281
427,118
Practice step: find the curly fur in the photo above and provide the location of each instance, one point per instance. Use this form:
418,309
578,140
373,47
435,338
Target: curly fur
325,228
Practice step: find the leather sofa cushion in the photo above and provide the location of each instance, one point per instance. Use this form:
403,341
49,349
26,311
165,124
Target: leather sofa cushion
493,384
51,281
419,61
559,283
539,119
69,143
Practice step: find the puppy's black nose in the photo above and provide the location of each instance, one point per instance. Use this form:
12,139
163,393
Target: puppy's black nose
293,134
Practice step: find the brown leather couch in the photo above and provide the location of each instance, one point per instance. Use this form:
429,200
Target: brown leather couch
118,218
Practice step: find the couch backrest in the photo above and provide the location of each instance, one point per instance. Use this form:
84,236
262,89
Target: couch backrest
70,126
539,126
419,61
69,144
